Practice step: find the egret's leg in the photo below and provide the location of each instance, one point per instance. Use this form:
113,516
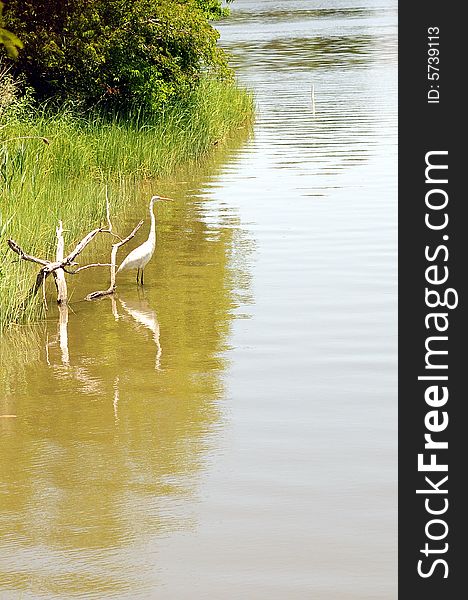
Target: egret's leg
141,277
138,275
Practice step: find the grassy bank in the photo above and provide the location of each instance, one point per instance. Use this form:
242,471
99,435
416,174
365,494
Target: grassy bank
41,183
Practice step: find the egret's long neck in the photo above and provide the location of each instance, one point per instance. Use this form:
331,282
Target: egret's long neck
152,233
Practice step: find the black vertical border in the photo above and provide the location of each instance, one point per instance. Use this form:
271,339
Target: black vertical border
425,127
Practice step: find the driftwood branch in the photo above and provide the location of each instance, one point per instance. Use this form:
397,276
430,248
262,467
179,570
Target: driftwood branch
22,254
86,267
109,222
108,219
115,247
59,274
130,236
56,267
44,299
62,263
69,260
40,279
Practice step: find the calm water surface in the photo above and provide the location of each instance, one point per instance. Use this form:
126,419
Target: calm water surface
229,432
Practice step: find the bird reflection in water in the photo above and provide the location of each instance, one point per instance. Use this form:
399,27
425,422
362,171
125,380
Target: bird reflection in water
141,311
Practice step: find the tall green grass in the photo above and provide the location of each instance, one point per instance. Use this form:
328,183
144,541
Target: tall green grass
41,183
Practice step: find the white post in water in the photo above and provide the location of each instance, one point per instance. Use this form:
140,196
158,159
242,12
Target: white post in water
313,99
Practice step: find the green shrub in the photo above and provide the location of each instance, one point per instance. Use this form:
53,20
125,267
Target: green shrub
116,53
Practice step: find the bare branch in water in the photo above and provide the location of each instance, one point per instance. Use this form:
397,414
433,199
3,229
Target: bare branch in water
86,267
59,275
22,254
111,289
61,264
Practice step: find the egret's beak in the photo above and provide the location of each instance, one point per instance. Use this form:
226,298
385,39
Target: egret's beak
164,199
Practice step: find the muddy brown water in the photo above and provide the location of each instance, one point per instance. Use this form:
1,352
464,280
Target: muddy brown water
229,431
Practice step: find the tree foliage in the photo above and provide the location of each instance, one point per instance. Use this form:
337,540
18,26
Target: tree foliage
9,40
213,8
115,52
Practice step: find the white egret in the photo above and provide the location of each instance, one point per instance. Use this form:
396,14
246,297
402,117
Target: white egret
140,257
